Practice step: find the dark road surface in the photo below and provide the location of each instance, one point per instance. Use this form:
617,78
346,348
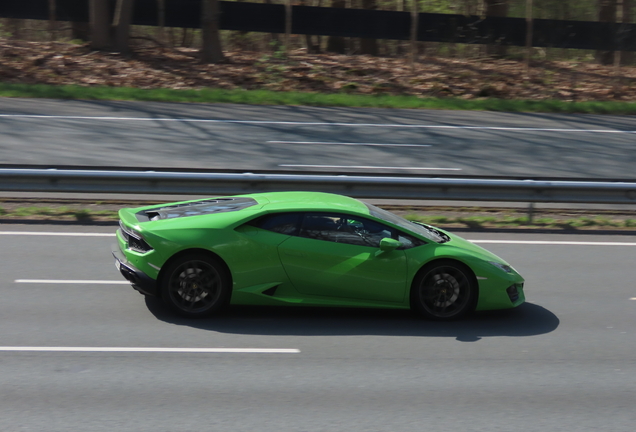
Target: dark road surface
565,361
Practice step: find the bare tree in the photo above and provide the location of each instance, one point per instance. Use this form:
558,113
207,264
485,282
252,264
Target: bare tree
606,13
211,51
369,46
53,19
628,57
99,16
273,37
161,20
121,25
337,43
311,47
529,31
496,8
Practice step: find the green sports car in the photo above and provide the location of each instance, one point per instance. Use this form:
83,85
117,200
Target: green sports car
305,248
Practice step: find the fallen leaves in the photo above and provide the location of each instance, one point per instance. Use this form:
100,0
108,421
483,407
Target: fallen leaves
61,63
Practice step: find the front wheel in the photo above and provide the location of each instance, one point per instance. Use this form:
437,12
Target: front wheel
443,291
195,286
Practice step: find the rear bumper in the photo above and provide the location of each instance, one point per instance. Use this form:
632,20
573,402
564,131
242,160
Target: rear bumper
138,279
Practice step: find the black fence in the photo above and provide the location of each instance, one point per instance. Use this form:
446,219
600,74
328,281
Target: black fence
375,24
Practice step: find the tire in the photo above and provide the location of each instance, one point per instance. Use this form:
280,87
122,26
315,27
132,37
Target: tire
444,291
195,286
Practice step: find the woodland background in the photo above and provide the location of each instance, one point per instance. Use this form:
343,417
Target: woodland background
108,50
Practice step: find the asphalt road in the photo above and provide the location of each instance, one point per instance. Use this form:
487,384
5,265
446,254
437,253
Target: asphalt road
565,361
340,140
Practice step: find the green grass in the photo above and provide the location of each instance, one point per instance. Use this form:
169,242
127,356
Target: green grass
53,213
502,220
267,97
479,222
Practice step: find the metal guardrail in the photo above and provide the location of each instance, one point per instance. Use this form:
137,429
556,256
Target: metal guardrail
148,182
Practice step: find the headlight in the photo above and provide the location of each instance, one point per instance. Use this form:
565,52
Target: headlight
503,267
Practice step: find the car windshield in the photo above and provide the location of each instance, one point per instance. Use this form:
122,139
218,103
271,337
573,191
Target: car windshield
414,227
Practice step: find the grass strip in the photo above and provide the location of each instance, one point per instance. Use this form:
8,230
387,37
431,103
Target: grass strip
482,222
267,97
58,213
65,213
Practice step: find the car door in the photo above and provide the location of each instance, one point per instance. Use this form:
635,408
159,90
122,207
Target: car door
338,255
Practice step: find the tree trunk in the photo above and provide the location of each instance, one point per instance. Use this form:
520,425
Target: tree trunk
121,25
496,8
99,15
53,19
628,57
337,43
161,20
211,51
369,46
311,48
274,40
606,13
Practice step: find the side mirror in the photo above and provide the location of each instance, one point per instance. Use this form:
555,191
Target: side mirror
389,244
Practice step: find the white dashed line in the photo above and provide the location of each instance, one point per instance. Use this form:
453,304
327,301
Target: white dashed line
83,282
348,144
151,350
368,167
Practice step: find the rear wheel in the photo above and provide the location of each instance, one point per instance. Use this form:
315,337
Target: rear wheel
444,290
195,286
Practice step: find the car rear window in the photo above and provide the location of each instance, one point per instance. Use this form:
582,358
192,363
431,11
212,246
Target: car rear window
197,208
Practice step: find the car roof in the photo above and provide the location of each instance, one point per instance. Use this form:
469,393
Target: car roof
310,201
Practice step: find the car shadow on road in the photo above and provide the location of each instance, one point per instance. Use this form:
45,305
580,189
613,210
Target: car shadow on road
527,320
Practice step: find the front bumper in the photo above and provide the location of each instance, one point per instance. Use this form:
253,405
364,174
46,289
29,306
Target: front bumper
139,280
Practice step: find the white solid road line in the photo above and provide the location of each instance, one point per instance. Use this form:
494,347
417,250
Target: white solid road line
542,242
266,122
152,350
348,144
61,281
368,167
63,234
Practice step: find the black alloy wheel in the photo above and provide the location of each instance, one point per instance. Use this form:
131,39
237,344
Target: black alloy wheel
195,286
444,290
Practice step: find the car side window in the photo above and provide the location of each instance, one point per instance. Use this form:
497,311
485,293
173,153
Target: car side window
283,223
354,230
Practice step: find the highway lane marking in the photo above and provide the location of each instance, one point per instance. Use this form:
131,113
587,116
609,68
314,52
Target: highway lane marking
65,234
348,144
153,350
270,122
368,167
547,242
75,281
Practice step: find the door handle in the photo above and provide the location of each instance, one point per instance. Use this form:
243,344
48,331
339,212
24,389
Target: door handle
294,253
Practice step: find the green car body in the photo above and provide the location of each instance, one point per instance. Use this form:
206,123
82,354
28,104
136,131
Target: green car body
348,266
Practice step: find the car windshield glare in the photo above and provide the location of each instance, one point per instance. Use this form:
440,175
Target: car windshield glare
405,224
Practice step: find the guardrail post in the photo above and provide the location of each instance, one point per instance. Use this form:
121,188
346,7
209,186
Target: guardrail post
530,213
